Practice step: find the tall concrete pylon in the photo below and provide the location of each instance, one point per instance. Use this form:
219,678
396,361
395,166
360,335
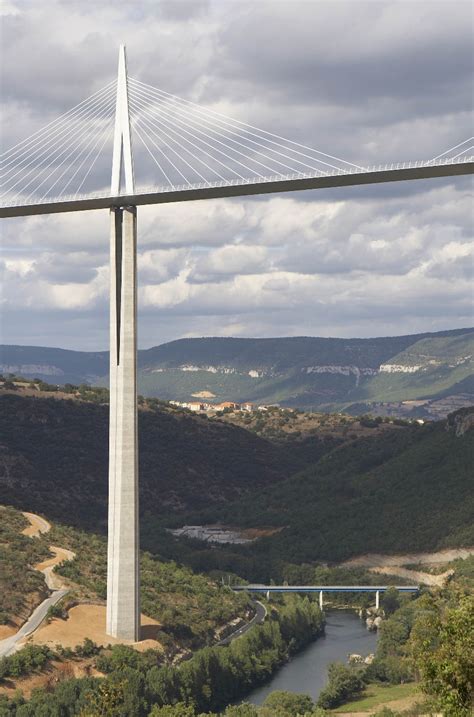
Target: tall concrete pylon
123,576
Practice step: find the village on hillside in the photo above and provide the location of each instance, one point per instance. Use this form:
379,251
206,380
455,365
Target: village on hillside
214,407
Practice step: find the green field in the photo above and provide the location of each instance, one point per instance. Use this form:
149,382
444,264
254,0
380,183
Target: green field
378,695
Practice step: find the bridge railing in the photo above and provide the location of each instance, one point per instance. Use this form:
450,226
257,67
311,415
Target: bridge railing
162,189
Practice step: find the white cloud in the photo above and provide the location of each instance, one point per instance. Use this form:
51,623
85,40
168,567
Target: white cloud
368,81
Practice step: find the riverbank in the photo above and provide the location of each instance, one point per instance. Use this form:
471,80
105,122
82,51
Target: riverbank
214,676
306,672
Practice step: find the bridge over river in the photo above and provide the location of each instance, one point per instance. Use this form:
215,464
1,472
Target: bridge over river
321,589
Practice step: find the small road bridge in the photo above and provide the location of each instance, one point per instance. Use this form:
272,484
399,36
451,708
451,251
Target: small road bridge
321,589
182,152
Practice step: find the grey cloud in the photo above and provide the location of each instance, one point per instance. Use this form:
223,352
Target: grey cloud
460,268
370,82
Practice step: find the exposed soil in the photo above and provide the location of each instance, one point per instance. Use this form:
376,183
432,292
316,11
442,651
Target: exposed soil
373,560
53,580
57,671
416,575
89,621
37,525
393,564
254,533
7,631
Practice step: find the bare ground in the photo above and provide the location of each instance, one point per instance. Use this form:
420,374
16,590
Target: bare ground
89,621
393,564
57,671
53,580
37,525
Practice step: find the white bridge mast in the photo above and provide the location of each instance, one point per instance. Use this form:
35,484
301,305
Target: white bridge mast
123,576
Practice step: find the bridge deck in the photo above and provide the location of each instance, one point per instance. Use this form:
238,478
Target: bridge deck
324,588
271,185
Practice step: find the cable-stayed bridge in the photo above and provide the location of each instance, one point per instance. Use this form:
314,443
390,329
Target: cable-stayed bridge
189,152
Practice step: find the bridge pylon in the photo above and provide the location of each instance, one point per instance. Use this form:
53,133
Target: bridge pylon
123,576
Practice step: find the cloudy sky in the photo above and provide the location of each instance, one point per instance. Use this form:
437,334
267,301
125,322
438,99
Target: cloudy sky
368,81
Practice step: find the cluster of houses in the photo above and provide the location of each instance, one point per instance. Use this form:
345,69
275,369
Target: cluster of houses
214,407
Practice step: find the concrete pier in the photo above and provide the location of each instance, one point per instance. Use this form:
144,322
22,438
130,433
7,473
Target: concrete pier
123,578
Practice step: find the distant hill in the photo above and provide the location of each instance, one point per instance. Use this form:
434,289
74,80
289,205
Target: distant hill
304,372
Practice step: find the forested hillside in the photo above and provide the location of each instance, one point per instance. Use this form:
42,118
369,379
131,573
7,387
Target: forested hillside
403,490
331,493
54,453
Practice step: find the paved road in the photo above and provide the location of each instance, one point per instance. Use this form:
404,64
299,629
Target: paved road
258,618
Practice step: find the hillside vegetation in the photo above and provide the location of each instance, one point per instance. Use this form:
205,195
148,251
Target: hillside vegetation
339,490
21,587
404,490
54,457
438,364
191,609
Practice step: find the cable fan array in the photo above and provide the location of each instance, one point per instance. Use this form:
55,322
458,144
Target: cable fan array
59,158
177,143
463,151
190,144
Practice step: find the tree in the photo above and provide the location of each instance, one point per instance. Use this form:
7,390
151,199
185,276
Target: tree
105,701
442,644
178,710
287,704
344,683
390,600
245,710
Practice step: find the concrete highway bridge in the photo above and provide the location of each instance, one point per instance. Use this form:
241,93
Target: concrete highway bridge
321,589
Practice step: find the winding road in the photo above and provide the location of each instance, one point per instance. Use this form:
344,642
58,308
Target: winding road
258,618
39,525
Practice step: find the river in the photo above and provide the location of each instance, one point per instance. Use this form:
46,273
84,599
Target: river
307,671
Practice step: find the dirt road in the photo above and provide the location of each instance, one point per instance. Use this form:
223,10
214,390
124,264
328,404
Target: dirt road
393,564
55,583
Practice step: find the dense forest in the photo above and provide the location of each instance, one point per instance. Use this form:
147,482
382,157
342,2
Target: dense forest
327,495
59,448
361,497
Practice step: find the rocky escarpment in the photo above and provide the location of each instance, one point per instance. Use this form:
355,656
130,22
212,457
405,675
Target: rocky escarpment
460,422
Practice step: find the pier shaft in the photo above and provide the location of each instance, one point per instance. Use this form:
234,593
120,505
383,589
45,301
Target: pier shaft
123,578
